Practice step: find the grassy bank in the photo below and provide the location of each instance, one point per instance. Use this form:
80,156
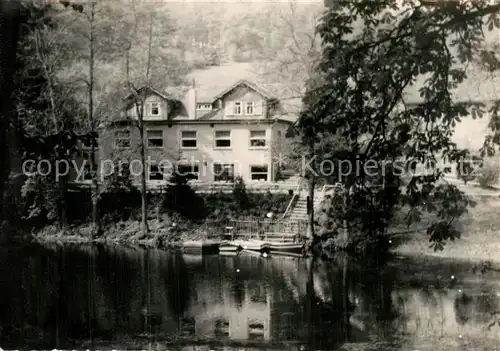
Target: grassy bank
480,233
163,233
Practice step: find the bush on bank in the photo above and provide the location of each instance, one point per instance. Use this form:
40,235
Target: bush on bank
173,213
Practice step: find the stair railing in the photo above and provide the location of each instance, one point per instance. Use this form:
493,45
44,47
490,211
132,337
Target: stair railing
295,196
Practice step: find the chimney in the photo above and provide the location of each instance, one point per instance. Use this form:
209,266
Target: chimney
191,101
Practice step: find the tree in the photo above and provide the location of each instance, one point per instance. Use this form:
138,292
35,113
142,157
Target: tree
90,15
180,198
240,194
45,50
290,65
11,16
138,99
85,29
372,53
45,111
294,60
97,38
148,64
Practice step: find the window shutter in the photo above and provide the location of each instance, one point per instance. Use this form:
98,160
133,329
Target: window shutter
258,108
229,108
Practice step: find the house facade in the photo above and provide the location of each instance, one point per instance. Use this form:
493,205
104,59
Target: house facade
213,137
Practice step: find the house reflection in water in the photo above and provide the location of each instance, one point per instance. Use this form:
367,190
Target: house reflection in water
262,302
218,313
246,299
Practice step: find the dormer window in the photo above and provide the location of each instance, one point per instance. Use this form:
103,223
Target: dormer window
237,108
154,108
249,108
204,106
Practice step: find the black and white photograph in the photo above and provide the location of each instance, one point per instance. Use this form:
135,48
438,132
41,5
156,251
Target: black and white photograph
280,175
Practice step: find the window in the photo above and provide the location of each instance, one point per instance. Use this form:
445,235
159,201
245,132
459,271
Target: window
257,138
155,138
204,107
249,108
223,138
237,108
223,172
154,108
122,139
258,172
189,170
188,139
155,173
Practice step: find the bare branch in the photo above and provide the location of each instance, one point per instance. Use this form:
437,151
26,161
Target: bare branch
48,76
150,44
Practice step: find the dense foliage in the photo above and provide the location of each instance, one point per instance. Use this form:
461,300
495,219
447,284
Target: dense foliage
373,54
181,198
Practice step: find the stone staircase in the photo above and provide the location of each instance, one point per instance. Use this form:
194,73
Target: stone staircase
299,210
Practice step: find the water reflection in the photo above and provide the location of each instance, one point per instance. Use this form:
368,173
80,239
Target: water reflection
120,297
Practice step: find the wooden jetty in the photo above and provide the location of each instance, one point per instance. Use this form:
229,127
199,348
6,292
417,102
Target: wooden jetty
202,247
265,236
261,237
233,247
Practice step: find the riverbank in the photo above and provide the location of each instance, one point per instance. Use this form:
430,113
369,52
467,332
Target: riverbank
172,219
480,234
163,233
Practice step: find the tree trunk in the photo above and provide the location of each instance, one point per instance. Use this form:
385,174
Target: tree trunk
10,17
96,230
63,217
144,191
310,301
310,212
345,232
346,304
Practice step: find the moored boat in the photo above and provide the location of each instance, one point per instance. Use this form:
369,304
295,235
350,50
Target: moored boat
285,254
254,245
229,248
201,247
285,247
229,253
251,252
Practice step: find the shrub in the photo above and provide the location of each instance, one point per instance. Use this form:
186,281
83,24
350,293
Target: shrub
120,197
180,198
222,206
240,195
489,173
324,218
40,197
79,204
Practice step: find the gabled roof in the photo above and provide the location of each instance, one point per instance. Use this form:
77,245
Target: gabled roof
145,89
243,82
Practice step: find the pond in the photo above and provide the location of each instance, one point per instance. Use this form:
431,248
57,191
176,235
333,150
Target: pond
124,298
